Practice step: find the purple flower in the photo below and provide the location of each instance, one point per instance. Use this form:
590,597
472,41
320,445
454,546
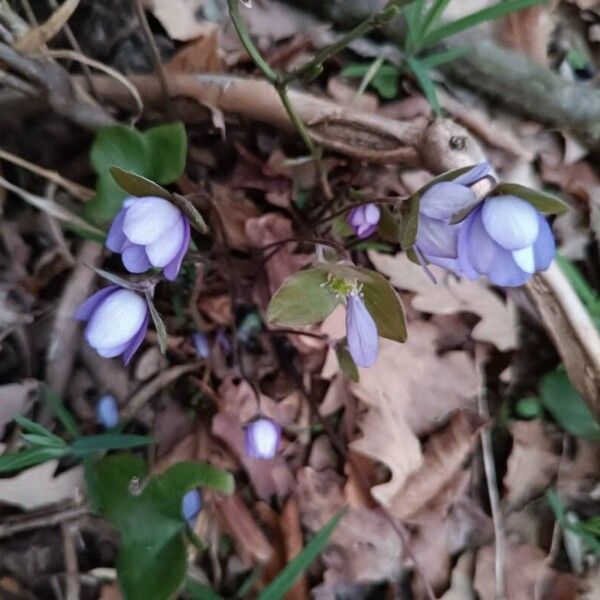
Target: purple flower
150,232
201,344
107,412
507,240
361,332
364,220
262,438
437,239
117,320
191,505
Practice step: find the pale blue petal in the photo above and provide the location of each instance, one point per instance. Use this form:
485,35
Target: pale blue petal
149,218
107,411
361,332
172,269
167,247
466,266
136,342
510,221
135,259
116,238
475,174
436,238
262,438
444,199
544,247
86,308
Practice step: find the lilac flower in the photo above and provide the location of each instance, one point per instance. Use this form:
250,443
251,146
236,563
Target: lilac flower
437,239
364,220
150,232
107,412
507,240
361,331
117,320
191,505
201,344
262,438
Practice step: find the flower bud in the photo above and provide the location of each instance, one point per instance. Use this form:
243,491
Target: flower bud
117,320
201,344
364,219
150,232
262,438
107,412
506,239
361,331
191,505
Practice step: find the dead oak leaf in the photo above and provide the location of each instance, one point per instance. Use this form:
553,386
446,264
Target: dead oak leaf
37,486
451,296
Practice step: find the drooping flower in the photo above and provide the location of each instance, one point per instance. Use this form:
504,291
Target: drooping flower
117,320
361,331
364,220
107,412
201,344
262,438
437,238
191,505
506,239
150,232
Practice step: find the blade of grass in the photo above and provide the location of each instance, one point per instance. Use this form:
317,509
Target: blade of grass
412,14
490,13
426,84
199,591
436,11
29,458
108,441
432,61
286,578
32,427
61,412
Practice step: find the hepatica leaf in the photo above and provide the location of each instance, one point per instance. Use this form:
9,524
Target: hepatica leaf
147,514
157,154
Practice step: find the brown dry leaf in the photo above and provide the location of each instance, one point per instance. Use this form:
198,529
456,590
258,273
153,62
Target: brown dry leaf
532,463
450,296
37,486
443,456
183,19
527,578
409,391
582,472
16,398
217,308
110,591
198,56
346,94
528,31
461,586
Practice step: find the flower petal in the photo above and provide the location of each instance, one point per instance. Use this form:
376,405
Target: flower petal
86,308
116,320
135,259
262,438
525,259
372,214
436,238
172,269
112,351
116,238
505,272
444,199
136,342
107,411
544,248
481,248
466,266
361,331
149,218
166,248
477,173
510,221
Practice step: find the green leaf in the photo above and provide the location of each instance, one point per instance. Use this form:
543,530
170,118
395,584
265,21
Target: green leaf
558,508
116,279
496,11
432,61
409,221
585,292
35,439
167,149
566,406
425,83
159,324
147,514
383,77
435,11
199,591
543,201
32,427
413,14
303,299
156,155
389,228
29,458
384,305
287,577
136,185
60,410
347,365
529,408
108,441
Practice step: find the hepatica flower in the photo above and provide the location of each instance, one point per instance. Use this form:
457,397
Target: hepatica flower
364,220
117,320
191,505
437,238
150,232
107,412
262,438
506,239
361,331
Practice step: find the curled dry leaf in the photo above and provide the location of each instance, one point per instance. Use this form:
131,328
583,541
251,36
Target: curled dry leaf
16,398
450,296
23,490
410,391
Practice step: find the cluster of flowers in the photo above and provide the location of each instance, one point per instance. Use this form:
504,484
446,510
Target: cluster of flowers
503,237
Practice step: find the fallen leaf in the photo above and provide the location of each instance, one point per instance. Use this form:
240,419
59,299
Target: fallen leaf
16,398
184,20
23,490
461,583
528,31
532,463
200,55
410,391
452,295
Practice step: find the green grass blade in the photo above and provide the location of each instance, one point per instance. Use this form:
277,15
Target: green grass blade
61,411
426,84
412,14
434,13
286,578
199,591
581,287
490,13
432,61
35,439
31,427
29,458
108,441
